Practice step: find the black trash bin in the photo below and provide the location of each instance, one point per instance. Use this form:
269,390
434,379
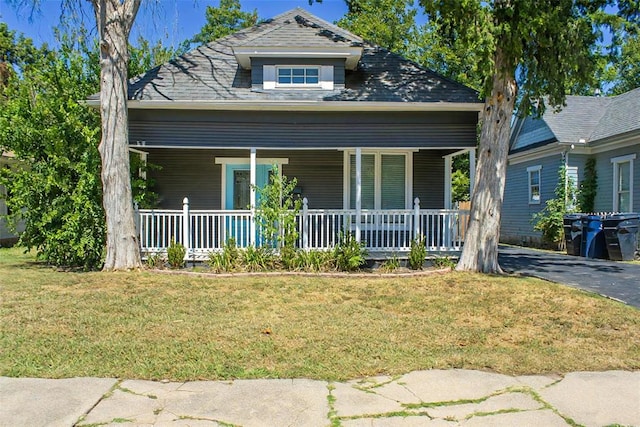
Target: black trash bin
593,242
621,232
573,233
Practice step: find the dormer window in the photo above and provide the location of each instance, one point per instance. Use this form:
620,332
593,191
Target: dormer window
298,76
287,76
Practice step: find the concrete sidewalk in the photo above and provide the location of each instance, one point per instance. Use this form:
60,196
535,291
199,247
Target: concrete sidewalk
423,398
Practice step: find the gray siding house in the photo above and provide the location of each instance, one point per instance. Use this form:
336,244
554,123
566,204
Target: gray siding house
368,135
606,129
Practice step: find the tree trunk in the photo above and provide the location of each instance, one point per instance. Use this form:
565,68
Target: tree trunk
114,20
480,251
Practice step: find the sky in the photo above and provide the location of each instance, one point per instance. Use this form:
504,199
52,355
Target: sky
171,21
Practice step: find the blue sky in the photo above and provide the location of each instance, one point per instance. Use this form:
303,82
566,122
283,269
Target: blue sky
172,21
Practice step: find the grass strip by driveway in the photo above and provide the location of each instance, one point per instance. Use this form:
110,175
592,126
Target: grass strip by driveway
154,326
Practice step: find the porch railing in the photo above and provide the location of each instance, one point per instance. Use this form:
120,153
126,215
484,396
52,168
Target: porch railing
204,231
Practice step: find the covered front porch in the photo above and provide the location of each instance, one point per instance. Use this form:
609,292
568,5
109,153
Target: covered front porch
377,198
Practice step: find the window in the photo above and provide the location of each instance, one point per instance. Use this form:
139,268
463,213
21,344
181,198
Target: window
623,183
298,76
385,180
534,184
572,186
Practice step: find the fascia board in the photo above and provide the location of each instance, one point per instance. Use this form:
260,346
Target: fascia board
244,54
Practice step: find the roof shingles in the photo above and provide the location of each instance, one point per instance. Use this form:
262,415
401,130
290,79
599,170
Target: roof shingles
211,72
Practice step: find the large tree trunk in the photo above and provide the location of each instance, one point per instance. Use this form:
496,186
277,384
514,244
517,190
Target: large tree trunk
114,19
480,251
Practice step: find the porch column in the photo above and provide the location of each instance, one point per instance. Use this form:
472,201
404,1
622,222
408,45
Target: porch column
252,195
447,181
472,171
358,191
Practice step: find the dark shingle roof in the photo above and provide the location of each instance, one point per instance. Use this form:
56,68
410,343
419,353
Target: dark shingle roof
211,72
584,117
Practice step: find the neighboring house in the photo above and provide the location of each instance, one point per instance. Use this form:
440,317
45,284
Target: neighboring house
364,131
606,129
7,236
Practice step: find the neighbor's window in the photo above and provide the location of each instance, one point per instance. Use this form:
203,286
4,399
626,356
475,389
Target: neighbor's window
534,184
298,76
623,183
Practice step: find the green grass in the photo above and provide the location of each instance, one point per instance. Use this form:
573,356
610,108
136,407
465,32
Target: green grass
158,326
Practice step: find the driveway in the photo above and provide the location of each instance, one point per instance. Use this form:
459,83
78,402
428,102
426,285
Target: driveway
616,280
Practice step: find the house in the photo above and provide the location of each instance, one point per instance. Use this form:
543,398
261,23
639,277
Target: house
368,135
7,236
606,129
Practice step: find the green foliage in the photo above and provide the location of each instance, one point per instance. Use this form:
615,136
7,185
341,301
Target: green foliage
276,212
390,264
155,260
588,187
349,254
227,260
259,258
223,20
175,254
142,185
460,186
387,23
444,262
550,219
417,253
314,261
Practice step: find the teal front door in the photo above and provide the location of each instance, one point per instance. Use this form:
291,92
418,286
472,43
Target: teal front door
238,197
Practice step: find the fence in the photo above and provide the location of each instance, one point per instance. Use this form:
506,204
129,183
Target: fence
385,230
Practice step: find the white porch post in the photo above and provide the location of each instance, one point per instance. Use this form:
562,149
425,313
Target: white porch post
252,200
447,182
185,227
358,191
472,171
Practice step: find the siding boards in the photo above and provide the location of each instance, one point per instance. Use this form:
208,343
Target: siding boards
604,168
207,129
428,178
516,225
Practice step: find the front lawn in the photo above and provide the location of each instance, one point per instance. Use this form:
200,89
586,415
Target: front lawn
179,327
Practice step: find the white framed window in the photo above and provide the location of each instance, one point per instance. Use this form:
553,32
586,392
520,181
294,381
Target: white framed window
623,183
297,77
571,189
385,178
533,174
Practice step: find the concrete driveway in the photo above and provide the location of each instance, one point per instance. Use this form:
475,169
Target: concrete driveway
616,280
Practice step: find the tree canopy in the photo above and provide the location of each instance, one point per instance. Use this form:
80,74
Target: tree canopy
223,20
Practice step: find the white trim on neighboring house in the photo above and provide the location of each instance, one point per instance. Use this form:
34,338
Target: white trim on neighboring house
224,161
408,179
538,169
617,162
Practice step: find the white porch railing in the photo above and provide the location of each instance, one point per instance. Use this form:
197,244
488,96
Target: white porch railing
204,231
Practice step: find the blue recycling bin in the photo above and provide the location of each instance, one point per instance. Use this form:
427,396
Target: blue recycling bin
593,241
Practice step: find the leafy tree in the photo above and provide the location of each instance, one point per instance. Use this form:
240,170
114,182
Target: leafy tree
387,23
223,20
525,51
57,192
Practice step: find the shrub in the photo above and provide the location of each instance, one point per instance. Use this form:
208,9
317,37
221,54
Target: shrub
175,254
257,258
390,265
155,260
314,261
227,260
417,253
349,255
444,262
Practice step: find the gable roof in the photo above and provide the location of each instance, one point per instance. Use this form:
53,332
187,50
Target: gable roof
211,73
592,119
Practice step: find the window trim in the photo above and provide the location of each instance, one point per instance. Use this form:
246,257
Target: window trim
243,161
377,200
297,67
270,77
538,169
616,162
